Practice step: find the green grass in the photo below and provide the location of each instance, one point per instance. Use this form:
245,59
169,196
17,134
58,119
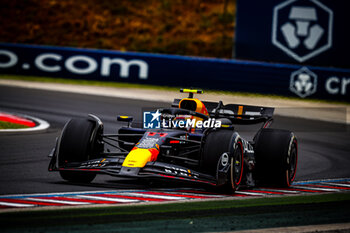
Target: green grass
154,87
8,125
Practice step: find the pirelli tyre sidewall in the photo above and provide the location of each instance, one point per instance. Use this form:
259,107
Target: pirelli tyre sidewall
76,145
222,157
237,164
276,153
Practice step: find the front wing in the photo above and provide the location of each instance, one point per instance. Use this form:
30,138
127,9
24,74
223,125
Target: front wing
157,170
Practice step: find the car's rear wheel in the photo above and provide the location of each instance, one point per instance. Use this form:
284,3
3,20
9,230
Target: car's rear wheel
276,153
77,144
219,147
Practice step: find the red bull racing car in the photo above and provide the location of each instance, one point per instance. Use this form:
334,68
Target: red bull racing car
191,141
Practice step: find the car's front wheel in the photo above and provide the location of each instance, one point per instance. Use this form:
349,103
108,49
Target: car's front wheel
77,144
221,152
236,169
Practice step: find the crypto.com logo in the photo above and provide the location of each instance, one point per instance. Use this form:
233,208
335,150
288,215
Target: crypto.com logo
303,82
302,28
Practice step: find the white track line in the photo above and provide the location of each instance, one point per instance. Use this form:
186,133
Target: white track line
337,184
65,193
56,201
107,199
317,189
278,190
201,195
16,204
251,194
154,196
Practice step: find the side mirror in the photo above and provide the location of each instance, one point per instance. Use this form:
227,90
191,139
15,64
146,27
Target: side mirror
128,119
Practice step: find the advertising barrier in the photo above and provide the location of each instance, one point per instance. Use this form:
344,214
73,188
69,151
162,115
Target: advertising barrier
304,32
179,71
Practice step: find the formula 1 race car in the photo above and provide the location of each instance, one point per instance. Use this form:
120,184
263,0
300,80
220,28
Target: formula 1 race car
192,141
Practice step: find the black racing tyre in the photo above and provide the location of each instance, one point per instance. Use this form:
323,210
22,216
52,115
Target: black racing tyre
276,153
76,145
236,170
217,143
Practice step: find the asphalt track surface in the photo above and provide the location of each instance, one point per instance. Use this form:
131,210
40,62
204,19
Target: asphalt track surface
323,146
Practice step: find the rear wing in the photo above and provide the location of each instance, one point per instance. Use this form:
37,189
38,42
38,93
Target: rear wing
239,114
244,110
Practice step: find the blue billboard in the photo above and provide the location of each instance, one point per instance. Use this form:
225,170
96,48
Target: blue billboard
178,71
305,32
